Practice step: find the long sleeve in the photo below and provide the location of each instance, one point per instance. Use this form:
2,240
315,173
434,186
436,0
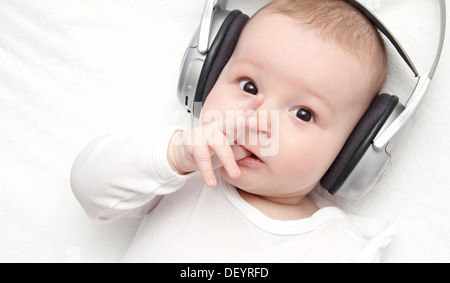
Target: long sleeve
124,175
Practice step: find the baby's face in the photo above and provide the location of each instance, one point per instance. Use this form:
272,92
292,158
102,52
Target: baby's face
317,91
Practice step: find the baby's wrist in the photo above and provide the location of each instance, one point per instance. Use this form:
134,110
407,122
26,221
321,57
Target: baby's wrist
173,151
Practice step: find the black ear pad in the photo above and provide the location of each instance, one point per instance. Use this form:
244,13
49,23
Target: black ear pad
220,53
359,141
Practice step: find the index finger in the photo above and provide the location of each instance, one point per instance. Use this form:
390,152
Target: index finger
239,121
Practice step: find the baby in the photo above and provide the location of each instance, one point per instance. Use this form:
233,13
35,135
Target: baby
314,64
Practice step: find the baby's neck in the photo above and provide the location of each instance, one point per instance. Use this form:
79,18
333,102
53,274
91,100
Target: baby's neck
281,208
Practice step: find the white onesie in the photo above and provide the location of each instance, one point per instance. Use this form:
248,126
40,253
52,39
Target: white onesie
128,175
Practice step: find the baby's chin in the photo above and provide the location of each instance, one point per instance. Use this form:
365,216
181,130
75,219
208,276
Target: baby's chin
244,183
224,176
248,185
236,182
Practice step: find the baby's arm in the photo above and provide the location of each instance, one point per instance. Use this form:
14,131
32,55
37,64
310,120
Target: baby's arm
124,175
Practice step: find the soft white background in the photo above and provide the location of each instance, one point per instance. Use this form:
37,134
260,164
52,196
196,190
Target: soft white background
74,70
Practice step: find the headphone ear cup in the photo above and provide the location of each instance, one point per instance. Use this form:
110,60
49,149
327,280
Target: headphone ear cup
359,141
220,53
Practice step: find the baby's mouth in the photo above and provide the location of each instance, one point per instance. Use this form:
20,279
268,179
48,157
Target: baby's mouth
255,157
250,159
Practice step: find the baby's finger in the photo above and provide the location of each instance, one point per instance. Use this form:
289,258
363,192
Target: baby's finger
243,119
239,152
225,155
202,156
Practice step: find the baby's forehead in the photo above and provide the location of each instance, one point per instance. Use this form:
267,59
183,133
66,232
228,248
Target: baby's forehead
266,27
276,50
275,35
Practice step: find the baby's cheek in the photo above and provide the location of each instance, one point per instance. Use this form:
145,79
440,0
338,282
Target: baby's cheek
305,167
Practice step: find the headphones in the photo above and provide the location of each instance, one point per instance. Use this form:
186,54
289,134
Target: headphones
366,155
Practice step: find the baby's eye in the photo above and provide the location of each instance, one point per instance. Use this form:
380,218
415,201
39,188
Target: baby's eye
304,114
249,87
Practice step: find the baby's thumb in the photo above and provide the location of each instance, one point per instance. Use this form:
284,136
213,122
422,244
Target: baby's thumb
239,152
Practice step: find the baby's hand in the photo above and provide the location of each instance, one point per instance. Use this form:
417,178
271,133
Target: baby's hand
209,147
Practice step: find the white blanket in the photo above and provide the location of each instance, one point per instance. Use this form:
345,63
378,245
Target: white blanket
74,70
